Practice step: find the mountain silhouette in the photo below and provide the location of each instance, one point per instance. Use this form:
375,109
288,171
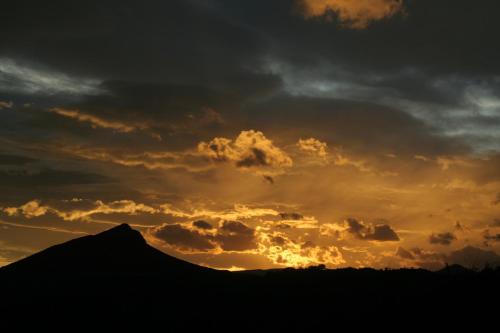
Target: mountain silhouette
115,280
120,250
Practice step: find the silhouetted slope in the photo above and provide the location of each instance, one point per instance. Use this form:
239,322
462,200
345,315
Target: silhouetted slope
115,279
118,250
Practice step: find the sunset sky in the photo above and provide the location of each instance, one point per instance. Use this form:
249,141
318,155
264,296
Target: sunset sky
255,133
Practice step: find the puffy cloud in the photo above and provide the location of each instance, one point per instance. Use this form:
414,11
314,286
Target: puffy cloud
445,238
201,224
29,210
184,239
296,220
357,14
313,146
250,151
229,236
236,236
281,250
379,232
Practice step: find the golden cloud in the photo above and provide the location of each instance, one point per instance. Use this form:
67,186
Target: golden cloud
250,151
281,250
313,146
30,209
356,14
95,121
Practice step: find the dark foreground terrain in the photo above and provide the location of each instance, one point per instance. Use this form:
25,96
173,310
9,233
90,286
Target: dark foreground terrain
116,280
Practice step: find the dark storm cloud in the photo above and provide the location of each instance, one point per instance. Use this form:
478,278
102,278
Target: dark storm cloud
126,39
431,35
379,232
186,41
445,238
359,123
163,63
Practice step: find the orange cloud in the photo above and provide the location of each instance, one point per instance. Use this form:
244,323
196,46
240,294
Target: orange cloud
313,146
94,121
250,151
356,14
30,209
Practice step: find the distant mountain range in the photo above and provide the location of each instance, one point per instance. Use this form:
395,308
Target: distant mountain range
115,278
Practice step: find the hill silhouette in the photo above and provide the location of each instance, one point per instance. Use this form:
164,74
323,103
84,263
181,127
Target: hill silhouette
120,250
115,280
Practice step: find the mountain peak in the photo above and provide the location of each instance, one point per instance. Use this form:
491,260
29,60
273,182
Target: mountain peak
120,249
121,236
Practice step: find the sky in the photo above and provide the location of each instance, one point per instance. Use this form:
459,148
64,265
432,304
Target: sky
256,133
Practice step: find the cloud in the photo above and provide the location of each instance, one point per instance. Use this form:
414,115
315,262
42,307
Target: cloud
151,160
229,236
356,14
489,237
445,238
96,122
184,239
297,221
236,236
6,105
405,254
281,250
313,146
201,224
26,78
250,151
236,212
29,210
473,257
379,232
291,216
79,209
